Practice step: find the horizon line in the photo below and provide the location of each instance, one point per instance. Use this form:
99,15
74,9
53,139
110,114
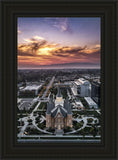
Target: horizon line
54,68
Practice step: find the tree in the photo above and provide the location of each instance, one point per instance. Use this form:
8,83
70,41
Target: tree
29,120
67,129
95,131
83,132
50,129
90,120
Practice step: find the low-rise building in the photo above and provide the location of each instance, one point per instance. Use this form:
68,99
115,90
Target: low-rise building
30,90
25,106
90,102
79,105
18,101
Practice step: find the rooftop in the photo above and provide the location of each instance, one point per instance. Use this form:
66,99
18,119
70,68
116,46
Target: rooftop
32,87
81,81
90,101
59,92
79,103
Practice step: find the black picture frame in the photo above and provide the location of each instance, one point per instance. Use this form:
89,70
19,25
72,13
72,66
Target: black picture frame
10,10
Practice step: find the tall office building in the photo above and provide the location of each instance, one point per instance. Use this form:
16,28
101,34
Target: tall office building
82,87
95,92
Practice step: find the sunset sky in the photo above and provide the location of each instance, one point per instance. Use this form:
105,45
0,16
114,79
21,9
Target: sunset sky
58,42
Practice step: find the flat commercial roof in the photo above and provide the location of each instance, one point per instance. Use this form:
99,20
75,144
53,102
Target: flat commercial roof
79,103
77,82
33,87
81,81
90,101
18,100
72,89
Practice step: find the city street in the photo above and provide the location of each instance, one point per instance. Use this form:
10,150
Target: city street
48,87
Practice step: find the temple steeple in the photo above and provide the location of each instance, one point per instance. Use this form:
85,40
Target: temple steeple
59,92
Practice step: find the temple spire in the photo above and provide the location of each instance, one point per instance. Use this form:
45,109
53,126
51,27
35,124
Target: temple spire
59,91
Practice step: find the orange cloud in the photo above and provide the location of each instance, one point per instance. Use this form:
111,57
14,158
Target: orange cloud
37,51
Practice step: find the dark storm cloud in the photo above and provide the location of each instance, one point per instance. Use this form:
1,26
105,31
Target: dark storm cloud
77,52
31,48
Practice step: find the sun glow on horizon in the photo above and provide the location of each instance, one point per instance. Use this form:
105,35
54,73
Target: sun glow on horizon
44,51
58,41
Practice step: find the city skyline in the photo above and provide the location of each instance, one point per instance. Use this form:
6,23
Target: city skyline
58,43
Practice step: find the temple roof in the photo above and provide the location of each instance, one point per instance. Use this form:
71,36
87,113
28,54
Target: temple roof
59,109
69,109
50,106
63,109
